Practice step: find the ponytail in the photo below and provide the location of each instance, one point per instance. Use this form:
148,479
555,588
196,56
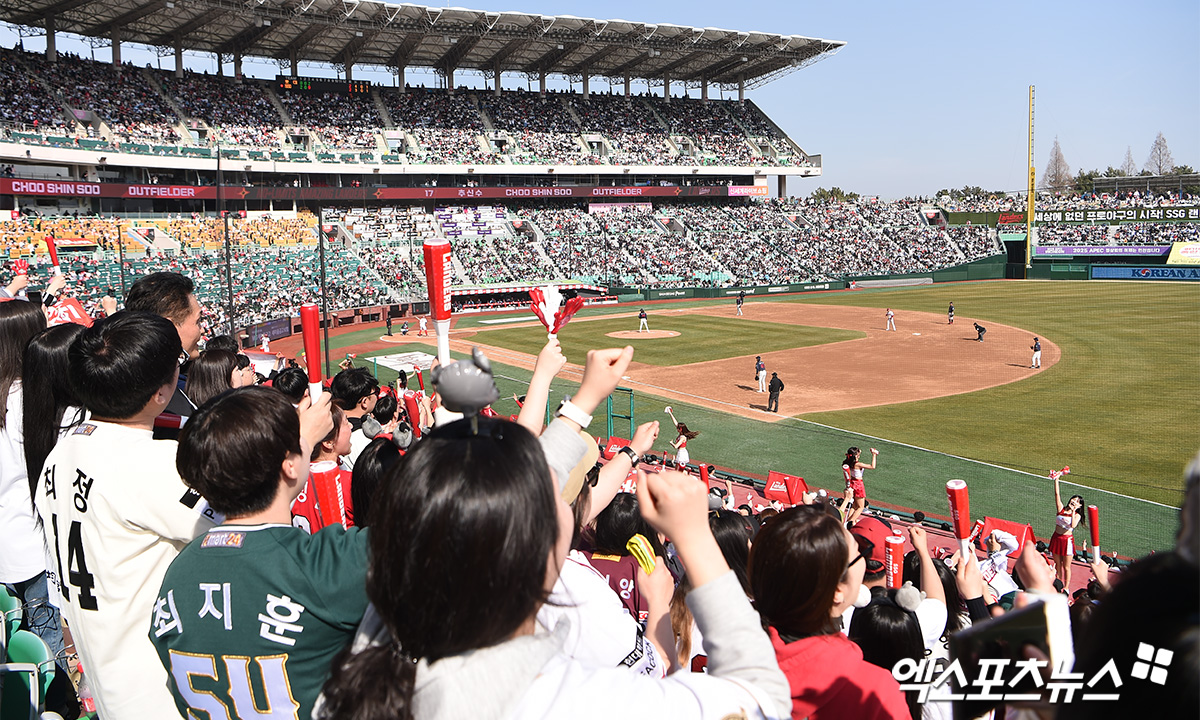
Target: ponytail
375,684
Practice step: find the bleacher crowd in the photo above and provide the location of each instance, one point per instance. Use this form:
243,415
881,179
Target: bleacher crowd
225,537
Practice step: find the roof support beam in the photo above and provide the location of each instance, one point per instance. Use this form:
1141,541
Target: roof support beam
297,43
121,21
55,9
718,68
690,57
547,61
349,54
624,69
406,50
457,52
508,50
189,27
247,39
588,62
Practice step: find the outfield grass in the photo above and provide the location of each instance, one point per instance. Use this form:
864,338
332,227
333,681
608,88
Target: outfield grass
701,338
907,477
1122,407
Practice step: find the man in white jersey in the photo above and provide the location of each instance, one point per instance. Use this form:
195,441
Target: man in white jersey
115,512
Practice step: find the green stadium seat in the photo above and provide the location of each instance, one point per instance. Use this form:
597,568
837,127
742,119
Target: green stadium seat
29,672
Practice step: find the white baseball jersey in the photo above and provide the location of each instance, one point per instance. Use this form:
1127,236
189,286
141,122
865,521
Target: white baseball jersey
116,514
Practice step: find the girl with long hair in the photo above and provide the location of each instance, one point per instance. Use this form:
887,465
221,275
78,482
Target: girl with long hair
210,374
50,404
23,556
1062,542
805,571
474,516
680,444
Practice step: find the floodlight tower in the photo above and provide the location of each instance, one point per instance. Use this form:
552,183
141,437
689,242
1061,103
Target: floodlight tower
1029,208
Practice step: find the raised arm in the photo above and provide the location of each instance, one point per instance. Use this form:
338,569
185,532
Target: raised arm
931,582
874,458
617,469
1058,503
549,362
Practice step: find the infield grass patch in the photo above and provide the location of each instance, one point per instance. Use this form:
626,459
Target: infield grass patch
701,338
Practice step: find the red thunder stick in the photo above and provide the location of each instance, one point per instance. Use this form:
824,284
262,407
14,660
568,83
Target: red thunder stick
893,560
960,513
439,272
328,486
53,248
1094,526
310,326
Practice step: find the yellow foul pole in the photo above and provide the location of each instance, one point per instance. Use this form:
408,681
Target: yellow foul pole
1029,209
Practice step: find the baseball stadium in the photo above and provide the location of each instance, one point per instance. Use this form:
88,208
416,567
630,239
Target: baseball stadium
1016,342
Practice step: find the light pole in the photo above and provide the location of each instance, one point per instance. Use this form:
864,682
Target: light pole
228,251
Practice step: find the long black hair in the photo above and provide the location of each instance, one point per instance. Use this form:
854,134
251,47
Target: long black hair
887,633
732,533
620,521
19,322
46,396
210,375
463,517
954,602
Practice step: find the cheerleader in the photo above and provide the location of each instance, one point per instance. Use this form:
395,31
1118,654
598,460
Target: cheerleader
856,492
681,440
1062,542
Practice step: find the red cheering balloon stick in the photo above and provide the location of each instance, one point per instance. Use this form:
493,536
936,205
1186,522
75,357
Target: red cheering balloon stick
310,327
1094,526
331,499
439,274
960,513
53,254
893,560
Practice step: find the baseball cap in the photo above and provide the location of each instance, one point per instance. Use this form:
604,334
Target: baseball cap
578,474
873,531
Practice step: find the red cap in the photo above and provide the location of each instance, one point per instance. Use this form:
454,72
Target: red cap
874,531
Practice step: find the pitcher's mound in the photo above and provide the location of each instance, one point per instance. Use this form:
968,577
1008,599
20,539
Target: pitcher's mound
647,335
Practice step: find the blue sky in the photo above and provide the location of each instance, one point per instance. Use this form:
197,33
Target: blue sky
928,95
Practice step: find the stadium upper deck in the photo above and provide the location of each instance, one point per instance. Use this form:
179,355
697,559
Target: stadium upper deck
66,109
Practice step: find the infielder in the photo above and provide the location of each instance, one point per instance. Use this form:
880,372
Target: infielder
891,320
760,373
1037,353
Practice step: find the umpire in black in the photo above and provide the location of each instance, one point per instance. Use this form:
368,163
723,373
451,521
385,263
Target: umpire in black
774,389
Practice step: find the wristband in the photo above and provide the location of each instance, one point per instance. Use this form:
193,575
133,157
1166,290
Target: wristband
629,452
571,411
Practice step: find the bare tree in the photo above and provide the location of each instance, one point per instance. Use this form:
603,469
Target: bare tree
1058,176
1129,167
1160,161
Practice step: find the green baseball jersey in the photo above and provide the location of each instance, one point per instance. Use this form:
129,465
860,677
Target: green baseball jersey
249,618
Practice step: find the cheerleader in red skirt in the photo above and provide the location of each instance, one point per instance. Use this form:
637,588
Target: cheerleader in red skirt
1062,542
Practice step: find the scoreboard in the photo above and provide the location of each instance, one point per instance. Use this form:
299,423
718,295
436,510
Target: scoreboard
287,83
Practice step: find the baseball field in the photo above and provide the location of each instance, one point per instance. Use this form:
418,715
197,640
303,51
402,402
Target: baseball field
1117,397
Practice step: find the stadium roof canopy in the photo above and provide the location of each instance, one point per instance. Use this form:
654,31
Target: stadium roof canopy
388,35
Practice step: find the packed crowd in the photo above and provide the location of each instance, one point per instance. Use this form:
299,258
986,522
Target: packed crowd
446,127
343,537
717,135
239,111
25,102
1062,234
1046,201
1155,233
121,97
634,133
543,129
340,121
